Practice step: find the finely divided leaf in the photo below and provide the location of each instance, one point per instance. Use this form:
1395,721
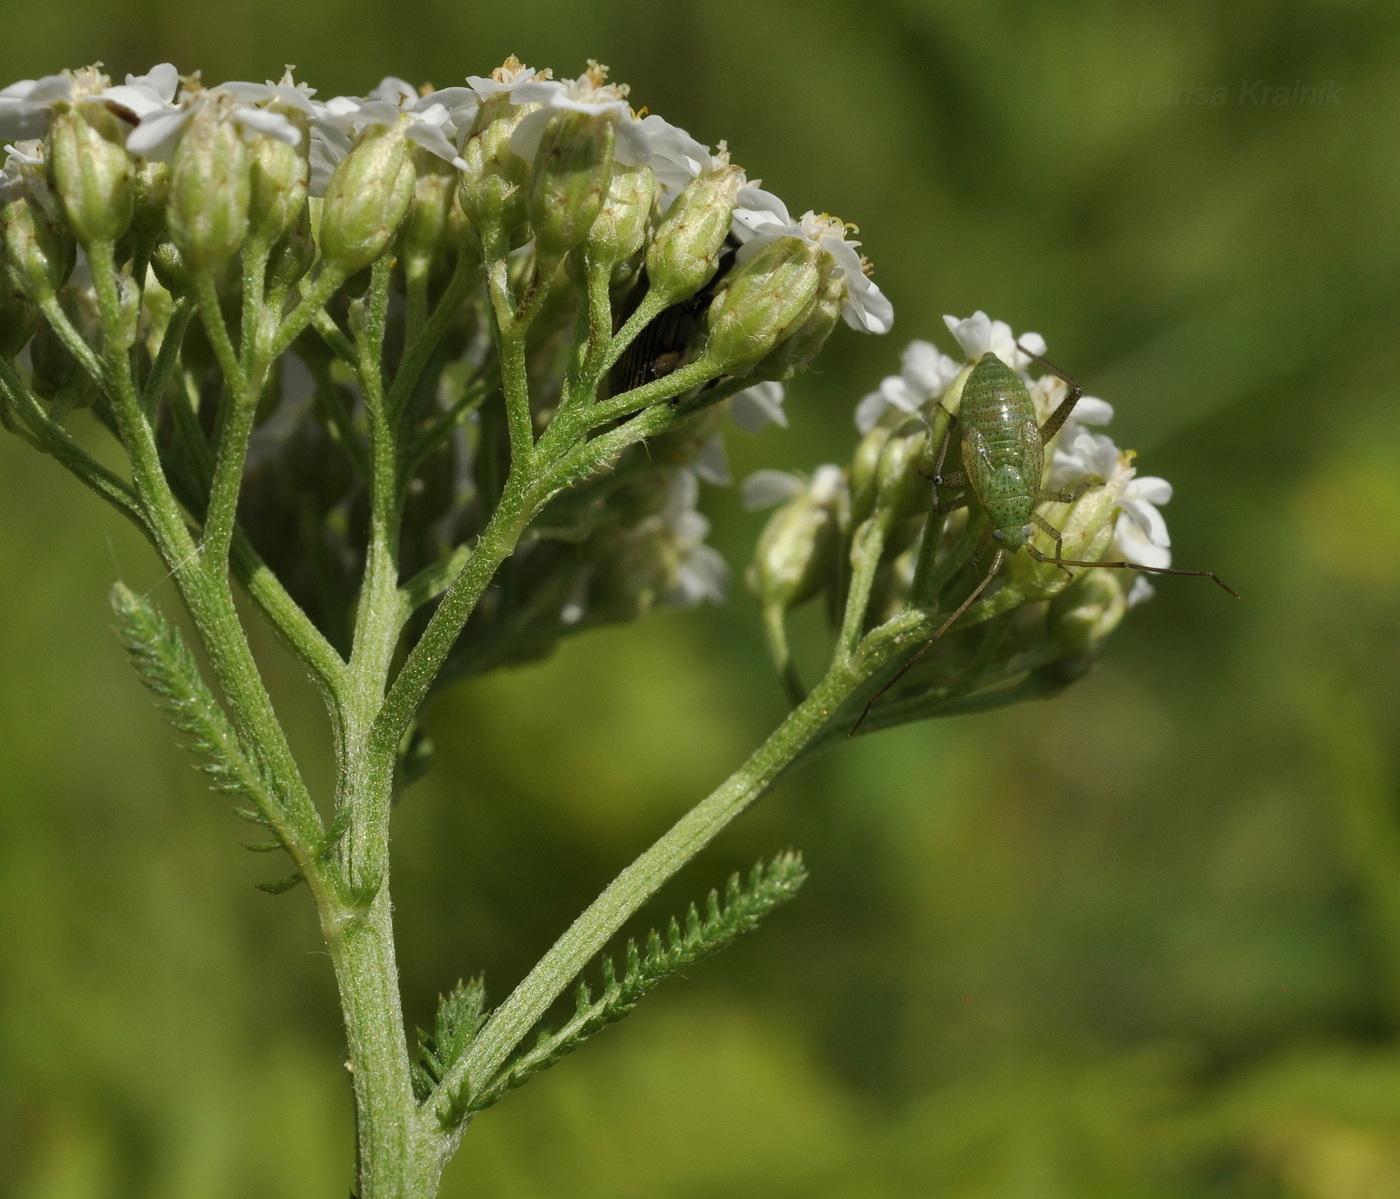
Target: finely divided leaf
743,906
167,667
460,1015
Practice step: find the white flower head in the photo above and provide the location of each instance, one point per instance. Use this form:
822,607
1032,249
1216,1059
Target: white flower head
701,571
590,93
510,79
761,217
426,120
756,407
925,376
161,109
978,334
677,158
767,488
26,107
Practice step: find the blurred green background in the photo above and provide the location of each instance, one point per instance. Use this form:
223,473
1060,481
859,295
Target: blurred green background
1142,941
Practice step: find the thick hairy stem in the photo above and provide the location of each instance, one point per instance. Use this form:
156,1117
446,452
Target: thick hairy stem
399,1154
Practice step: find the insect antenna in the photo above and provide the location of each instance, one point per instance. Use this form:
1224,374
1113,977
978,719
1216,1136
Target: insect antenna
1153,570
997,560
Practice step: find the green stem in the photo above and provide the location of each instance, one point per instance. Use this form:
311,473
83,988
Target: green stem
586,937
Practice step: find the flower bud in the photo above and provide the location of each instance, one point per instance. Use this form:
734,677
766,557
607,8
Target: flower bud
151,196
209,190
91,172
278,175
18,319
423,239
865,466
366,199
39,256
799,548
796,352
621,226
766,298
492,191
569,179
293,255
1083,616
686,248
901,486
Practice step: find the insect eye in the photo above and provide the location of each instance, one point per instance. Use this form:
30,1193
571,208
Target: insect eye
996,534
1027,531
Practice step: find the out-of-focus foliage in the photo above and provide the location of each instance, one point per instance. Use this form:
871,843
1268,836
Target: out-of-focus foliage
1141,941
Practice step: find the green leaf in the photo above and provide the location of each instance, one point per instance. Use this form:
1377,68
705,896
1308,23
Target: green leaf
460,1015
169,670
743,906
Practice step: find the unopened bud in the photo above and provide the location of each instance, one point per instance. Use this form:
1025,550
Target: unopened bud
1083,616
569,179
39,256
796,352
492,191
278,175
209,190
91,172
18,319
799,548
766,299
902,487
423,239
293,255
151,185
366,199
686,249
621,226
865,468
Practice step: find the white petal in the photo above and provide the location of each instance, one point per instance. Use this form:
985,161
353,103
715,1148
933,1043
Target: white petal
866,308
756,407
704,575
898,393
1092,411
1134,545
156,136
135,99
974,334
1151,488
273,124
1147,518
525,138
432,139
632,147
1140,591
870,410
711,465
764,488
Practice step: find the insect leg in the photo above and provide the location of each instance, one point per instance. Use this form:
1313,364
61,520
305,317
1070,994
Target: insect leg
1057,418
1059,538
1152,570
952,505
997,560
1065,497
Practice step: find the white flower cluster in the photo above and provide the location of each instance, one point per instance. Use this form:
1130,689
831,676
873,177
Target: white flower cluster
1079,453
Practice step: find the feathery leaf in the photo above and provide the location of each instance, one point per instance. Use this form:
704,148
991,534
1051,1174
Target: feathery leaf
743,906
460,1015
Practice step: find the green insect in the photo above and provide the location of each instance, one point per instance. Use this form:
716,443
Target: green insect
1003,456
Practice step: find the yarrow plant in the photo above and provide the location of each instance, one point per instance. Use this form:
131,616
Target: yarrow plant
434,377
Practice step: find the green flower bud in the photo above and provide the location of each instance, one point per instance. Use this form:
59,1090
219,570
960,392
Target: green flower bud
492,191
293,255
901,485
686,249
39,255
796,352
424,237
1085,614
18,319
209,190
278,175
169,266
366,199
621,227
865,466
799,549
90,171
151,196
766,299
569,180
